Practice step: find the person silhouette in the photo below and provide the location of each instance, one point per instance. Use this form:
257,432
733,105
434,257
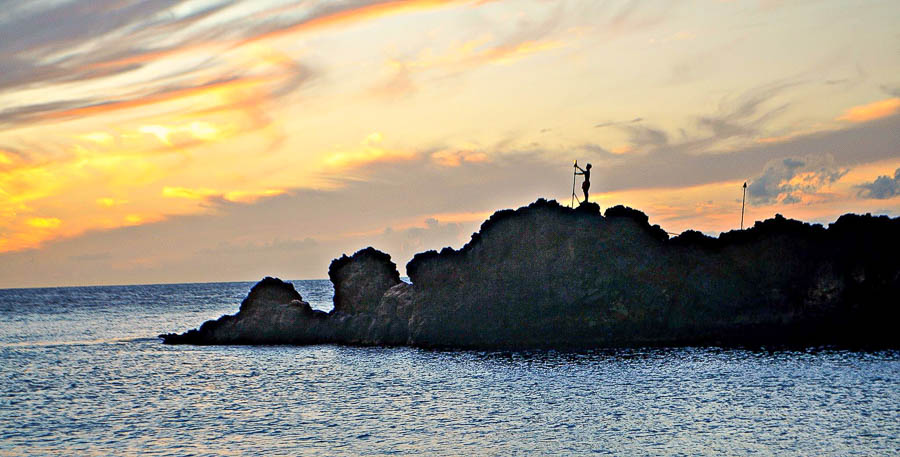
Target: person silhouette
586,185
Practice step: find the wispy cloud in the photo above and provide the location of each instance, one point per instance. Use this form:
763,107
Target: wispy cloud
478,52
371,150
263,86
456,157
105,39
158,96
44,222
677,165
617,123
52,42
528,37
641,136
747,114
399,84
234,196
871,111
742,118
326,14
313,225
462,58
182,120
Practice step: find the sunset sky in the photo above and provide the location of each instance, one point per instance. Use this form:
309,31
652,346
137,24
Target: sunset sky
186,141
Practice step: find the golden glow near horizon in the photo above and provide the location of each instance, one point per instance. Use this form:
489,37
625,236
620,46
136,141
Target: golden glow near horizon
209,108
872,111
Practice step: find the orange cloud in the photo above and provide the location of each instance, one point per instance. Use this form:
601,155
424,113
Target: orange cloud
190,194
320,19
473,53
350,15
872,111
26,183
133,219
44,222
235,196
453,158
324,17
241,196
109,202
210,88
23,240
470,54
198,130
511,53
126,159
149,56
102,138
398,85
369,152
4,158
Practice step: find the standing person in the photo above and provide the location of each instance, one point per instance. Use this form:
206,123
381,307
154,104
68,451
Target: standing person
586,185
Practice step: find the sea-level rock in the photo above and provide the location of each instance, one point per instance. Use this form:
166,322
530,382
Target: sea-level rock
550,276
273,313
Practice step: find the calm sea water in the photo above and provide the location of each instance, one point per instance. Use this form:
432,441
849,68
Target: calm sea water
82,373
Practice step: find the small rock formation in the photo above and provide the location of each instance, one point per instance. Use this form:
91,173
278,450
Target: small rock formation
361,280
550,276
273,313
391,324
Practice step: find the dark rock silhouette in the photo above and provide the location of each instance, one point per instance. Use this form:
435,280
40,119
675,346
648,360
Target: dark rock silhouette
361,280
272,313
550,276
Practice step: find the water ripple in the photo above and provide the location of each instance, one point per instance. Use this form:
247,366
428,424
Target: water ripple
116,391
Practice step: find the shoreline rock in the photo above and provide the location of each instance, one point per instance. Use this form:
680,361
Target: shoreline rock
548,276
272,313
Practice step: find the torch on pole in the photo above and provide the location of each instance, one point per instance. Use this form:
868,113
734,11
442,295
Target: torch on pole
743,198
574,173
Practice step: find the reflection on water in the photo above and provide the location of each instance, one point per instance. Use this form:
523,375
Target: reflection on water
71,383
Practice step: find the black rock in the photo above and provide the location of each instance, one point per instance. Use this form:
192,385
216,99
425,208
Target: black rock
550,276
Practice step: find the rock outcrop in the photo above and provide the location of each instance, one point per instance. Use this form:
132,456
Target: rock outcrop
361,280
273,313
550,276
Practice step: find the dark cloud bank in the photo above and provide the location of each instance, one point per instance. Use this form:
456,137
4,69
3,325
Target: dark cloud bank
883,187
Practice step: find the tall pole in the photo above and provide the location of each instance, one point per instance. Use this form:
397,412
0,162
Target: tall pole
743,198
573,183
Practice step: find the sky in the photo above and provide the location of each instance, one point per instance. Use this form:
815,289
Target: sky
174,141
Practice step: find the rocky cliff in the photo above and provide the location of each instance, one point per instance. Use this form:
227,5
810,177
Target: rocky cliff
550,276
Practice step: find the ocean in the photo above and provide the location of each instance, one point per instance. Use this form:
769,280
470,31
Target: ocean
83,373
